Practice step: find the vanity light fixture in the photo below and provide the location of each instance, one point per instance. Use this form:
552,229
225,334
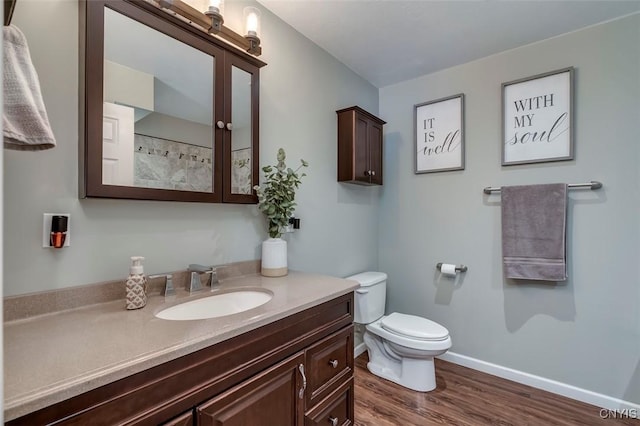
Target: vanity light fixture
252,28
215,14
212,22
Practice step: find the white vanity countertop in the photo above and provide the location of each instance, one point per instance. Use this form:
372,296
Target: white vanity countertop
50,358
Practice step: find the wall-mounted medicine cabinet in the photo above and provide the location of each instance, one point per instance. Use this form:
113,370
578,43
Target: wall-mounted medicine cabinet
359,147
168,112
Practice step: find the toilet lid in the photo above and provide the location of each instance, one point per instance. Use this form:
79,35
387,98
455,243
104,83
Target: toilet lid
414,327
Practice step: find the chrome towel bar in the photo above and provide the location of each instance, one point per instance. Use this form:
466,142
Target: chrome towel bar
590,185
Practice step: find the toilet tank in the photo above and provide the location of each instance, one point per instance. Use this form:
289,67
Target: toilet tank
370,298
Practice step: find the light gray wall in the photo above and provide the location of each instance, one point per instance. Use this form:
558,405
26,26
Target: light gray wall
584,332
175,129
301,87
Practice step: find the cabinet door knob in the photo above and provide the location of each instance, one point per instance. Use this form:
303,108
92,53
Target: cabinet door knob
372,172
220,124
334,363
367,172
304,381
333,421
229,126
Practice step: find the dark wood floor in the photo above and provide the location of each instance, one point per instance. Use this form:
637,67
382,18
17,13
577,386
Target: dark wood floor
466,397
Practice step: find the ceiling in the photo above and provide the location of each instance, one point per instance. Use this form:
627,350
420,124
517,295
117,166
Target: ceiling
395,40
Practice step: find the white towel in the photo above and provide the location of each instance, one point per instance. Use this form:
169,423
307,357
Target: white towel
24,119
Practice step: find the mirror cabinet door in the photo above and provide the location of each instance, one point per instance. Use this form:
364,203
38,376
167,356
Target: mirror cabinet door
242,146
154,94
157,110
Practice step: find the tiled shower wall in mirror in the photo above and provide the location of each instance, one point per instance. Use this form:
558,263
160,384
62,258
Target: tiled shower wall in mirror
166,164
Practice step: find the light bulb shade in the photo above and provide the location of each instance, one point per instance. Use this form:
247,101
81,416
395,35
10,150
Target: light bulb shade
215,14
251,22
216,6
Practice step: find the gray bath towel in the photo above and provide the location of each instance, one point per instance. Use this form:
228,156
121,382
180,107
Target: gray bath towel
24,119
534,219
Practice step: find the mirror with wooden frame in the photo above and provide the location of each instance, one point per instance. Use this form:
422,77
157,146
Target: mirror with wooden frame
168,111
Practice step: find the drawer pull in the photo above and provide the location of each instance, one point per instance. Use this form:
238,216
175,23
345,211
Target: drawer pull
333,421
304,381
334,363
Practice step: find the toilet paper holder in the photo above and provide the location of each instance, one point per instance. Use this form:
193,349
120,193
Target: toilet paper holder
459,268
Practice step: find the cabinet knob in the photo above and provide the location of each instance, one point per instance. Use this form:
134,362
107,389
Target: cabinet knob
229,126
367,172
333,421
220,124
334,363
372,172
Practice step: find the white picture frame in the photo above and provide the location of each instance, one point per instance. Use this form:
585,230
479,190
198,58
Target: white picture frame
537,118
439,135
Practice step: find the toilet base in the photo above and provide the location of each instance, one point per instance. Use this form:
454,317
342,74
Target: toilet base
417,374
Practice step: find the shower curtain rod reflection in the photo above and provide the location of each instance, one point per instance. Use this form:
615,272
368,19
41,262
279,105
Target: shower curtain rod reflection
590,185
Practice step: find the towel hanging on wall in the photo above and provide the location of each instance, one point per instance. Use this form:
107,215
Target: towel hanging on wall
25,122
534,222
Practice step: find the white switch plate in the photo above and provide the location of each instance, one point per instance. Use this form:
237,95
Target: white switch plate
46,229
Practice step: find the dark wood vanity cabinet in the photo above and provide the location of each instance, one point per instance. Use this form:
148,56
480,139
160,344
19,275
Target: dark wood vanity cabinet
359,146
269,398
186,419
317,381
293,372
335,410
329,362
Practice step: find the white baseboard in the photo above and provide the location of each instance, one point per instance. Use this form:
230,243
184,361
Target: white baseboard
359,350
593,398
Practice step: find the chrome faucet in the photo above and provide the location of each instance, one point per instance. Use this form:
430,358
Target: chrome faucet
195,284
213,281
168,283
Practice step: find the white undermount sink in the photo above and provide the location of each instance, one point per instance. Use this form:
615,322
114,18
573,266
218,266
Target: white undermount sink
216,305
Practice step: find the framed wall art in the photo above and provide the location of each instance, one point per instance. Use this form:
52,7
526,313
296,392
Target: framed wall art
439,135
537,118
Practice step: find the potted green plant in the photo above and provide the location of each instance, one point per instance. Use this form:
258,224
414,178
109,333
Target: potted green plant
276,199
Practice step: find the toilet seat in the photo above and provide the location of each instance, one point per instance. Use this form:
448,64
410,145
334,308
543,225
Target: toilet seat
414,327
406,341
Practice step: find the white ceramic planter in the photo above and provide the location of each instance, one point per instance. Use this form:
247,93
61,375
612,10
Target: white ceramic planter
274,257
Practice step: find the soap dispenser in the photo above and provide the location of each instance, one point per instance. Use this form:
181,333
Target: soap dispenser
136,284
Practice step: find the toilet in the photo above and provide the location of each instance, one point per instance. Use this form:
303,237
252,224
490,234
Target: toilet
401,347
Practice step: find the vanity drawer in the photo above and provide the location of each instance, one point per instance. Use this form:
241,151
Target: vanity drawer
185,419
335,410
328,363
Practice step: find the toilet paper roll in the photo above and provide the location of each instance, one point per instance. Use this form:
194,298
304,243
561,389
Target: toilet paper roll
448,270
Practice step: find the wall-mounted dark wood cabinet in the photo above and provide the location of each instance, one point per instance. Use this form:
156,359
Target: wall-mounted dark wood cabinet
359,147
